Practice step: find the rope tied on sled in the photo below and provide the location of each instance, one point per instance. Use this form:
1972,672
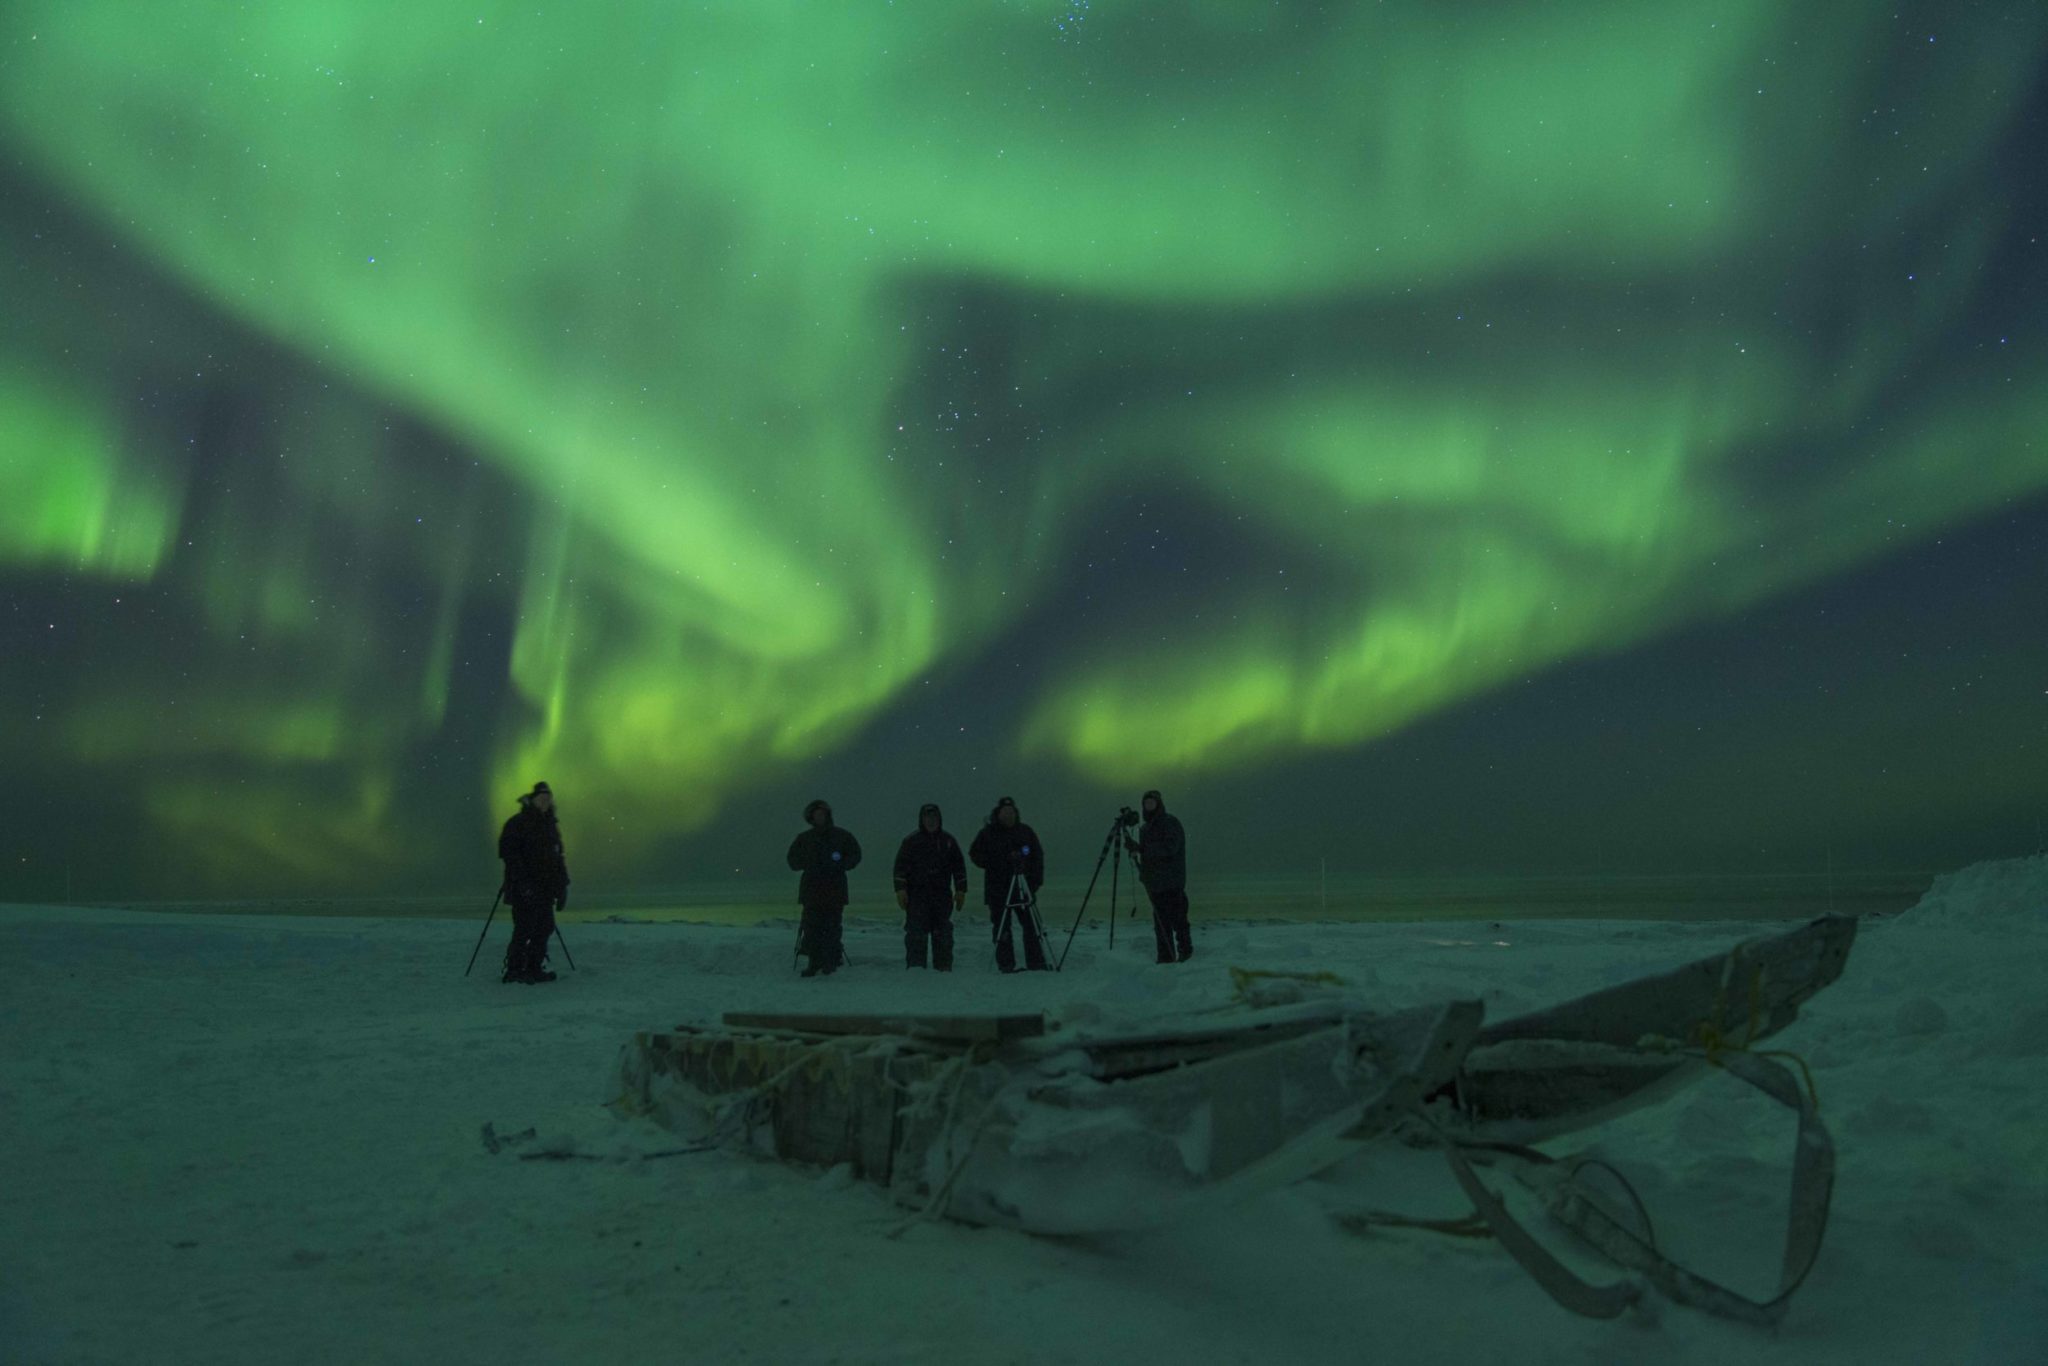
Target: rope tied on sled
1712,1045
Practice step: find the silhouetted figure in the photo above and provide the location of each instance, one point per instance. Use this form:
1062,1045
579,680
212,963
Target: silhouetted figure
931,884
824,854
536,883
1005,848
1162,850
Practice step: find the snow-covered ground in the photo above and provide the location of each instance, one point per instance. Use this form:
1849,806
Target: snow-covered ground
259,1139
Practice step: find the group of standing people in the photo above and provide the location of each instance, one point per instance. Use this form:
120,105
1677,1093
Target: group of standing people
930,880
931,884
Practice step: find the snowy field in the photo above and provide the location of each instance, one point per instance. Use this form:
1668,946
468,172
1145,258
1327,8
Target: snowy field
259,1139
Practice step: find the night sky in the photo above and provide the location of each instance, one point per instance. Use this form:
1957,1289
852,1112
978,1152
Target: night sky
1508,438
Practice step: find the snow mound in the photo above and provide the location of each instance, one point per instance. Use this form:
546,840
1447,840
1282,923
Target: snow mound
2000,894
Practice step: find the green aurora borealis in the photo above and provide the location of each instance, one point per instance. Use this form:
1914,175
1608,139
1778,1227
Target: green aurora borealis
700,405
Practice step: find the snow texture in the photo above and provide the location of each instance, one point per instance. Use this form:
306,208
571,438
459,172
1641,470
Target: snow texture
261,1139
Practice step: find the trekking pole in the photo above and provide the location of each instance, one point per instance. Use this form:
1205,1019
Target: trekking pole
487,929
565,946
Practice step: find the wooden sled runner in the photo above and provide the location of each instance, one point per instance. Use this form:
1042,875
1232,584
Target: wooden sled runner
1581,1063
998,1121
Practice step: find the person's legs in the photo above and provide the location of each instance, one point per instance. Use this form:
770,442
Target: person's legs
517,952
1183,935
1162,927
916,931
942,935
812,940
543,931
830,920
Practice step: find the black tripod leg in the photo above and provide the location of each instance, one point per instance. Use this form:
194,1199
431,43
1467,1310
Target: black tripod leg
565,947
487,929
1106,845
1044,940
1012,910
1115,867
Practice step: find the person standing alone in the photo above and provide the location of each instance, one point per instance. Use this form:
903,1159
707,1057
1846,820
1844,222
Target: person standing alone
1162,850
931,884
536,883
824,854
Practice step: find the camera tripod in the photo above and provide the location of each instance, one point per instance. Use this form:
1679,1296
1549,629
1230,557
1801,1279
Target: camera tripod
1113,850
1022,906
845,959
487,929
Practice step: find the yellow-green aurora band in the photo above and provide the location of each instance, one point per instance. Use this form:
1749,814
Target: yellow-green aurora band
1532,330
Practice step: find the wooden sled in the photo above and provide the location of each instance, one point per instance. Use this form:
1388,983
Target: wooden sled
994,1120
989,1120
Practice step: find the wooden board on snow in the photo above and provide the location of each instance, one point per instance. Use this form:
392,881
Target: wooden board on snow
943,1028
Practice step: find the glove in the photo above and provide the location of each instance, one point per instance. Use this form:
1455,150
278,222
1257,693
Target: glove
902,899
1130,844
959,899
562,899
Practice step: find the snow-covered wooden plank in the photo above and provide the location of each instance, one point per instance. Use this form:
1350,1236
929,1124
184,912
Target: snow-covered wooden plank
944,1028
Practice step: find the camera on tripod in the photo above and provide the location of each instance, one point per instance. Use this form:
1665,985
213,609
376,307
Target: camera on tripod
1126,817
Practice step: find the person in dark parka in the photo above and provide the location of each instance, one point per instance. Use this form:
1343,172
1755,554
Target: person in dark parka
1162,850
931,884
1004,848
536,883
824,854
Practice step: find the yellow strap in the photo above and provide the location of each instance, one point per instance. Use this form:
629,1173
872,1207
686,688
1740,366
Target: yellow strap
1713,1043
1242,978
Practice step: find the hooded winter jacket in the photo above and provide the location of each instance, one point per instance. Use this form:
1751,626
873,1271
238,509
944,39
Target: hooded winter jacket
536,872
1001,852
929,865
1162,850
824,857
